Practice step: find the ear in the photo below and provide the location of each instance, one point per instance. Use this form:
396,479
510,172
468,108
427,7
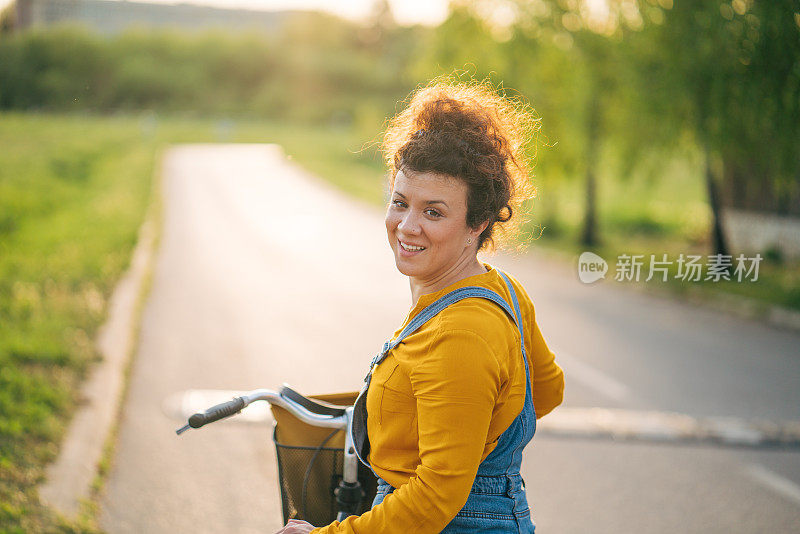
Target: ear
478,230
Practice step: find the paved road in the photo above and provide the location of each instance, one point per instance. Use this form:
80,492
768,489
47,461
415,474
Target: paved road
266,275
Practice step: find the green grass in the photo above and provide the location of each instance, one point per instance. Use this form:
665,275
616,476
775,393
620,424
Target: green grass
72,196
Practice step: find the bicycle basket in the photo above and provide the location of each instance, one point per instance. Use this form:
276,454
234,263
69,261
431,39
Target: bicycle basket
310,466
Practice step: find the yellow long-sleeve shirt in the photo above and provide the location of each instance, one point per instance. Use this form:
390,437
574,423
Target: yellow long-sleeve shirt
441,399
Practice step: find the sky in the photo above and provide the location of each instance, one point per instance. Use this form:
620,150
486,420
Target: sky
429,12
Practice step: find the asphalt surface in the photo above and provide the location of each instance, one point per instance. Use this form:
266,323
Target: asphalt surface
267,275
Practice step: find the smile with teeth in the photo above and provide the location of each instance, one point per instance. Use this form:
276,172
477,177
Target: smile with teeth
410,248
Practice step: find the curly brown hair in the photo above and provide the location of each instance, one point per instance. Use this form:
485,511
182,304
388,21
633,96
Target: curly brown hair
473,132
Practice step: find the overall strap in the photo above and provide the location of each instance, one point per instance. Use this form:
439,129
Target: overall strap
358,429
517,313
527,424
434,308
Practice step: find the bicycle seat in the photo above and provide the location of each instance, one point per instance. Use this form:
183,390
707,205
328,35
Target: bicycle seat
315,406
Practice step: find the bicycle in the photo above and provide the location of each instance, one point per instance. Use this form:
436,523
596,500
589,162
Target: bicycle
312,438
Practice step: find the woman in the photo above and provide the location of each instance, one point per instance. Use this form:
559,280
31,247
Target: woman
452,400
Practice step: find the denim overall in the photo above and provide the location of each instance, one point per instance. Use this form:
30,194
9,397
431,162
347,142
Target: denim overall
497,502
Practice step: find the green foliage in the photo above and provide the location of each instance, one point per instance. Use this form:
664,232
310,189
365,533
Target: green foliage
317,68
729,74
649,79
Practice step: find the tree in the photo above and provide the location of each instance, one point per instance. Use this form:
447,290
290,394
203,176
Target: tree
592,38
730,73
8,18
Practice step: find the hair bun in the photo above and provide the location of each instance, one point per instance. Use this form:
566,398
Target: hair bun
472,132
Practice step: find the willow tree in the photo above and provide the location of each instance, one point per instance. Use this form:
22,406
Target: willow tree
729,73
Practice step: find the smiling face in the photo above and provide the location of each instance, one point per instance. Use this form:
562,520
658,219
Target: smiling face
426,223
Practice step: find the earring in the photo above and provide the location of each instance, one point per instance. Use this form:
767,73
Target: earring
469,241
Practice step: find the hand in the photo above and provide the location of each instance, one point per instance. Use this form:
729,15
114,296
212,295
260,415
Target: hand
295,526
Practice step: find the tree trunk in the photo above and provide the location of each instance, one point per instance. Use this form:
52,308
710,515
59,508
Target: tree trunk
589,235
718,241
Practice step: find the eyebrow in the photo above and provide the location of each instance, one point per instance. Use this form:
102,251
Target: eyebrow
429,202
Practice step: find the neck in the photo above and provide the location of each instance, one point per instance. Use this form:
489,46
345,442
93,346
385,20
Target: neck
464,268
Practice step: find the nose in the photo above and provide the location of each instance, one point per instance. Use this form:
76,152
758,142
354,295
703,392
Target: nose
409,223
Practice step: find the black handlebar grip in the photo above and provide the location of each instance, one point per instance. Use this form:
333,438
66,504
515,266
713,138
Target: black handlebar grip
215,413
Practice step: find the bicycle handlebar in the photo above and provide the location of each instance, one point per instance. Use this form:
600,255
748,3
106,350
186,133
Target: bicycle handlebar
215,413
234,406
310,412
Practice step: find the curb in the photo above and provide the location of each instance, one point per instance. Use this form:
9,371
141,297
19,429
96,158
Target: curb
748,309
69,479
670,427
564,422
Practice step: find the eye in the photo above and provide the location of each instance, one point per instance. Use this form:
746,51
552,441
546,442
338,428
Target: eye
399,203
433,213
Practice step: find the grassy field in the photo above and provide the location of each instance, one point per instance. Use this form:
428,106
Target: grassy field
72,196
75,189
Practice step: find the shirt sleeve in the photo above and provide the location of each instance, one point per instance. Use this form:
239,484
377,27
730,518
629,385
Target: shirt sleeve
548,378
456,385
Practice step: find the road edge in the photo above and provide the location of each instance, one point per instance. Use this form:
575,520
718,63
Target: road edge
71,481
